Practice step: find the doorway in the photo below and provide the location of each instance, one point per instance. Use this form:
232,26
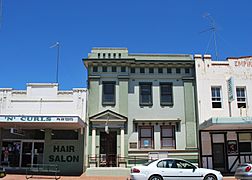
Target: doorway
32,153
108,149
219,157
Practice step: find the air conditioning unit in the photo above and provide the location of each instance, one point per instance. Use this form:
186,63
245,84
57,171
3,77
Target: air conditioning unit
16,131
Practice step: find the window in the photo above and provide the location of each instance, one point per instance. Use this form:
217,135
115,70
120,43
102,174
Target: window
151,70
245,142
132,70
160,70
104,69
99,55
178,70
168,136
108,93
95,69
145,94
104,55
64,134
146,136
142,70
119,55
123,69
169,70
166,97
241,97
114,55
109,55
113,68
187,70
216,97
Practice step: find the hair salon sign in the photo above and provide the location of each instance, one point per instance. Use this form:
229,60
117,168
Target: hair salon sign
62,119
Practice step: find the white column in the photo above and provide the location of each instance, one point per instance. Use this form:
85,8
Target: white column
93,142
122,142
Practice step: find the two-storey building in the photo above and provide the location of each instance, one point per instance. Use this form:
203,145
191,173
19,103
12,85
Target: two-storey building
43,125
140,106
224,101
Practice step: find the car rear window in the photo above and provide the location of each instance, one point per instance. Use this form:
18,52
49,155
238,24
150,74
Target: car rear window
149,162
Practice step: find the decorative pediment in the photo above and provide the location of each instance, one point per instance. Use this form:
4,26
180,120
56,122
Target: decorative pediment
108,115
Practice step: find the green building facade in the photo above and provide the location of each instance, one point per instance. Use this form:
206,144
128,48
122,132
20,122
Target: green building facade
140,106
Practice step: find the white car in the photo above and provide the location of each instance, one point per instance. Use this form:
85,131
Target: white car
172,168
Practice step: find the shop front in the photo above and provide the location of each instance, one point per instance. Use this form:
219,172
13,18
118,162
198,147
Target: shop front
225,142
29,140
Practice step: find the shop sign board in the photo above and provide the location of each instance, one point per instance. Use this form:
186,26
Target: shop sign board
230,83
52,119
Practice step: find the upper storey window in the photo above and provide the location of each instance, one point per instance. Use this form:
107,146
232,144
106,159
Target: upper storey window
166,97
178,70
113,68
241,97
160,70
123,69
169,70
151,70
187,70
142,70
108,93
95,68
216,97
104,55
145,94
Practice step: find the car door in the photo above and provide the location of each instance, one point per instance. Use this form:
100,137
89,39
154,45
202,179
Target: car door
187,171
167,171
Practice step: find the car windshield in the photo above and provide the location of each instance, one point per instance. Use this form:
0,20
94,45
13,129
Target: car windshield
149,162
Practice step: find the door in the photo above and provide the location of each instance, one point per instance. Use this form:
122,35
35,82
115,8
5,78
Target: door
32,153
219,156
108,149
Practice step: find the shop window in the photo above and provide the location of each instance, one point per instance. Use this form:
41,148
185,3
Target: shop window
114,69
64,134
245,142
145,94
95,68
146,137
142,70
241,97
216,97
108,93
166,95
151,70
168,136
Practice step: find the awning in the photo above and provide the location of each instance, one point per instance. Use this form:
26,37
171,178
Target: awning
227,123
41,122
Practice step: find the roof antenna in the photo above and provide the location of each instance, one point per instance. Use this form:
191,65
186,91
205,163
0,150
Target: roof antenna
1,13
213,29
57,44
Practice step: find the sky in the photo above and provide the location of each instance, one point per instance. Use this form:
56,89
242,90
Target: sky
28,28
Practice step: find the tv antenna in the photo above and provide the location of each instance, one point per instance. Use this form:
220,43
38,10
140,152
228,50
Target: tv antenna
57,44
213,29
1,13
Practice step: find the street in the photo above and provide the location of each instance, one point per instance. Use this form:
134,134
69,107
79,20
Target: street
82,177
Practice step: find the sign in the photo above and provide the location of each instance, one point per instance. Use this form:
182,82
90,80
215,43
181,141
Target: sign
230,84
39,119
232,147
243,63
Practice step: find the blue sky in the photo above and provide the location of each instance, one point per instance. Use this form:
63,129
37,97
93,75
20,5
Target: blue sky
29,27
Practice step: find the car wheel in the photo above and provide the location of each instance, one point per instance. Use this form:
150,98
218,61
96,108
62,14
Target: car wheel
210,177
155,177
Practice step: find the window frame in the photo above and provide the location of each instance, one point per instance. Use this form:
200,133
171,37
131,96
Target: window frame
113,101
170,94
214,99
241,100
151,137
172,137
141,93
